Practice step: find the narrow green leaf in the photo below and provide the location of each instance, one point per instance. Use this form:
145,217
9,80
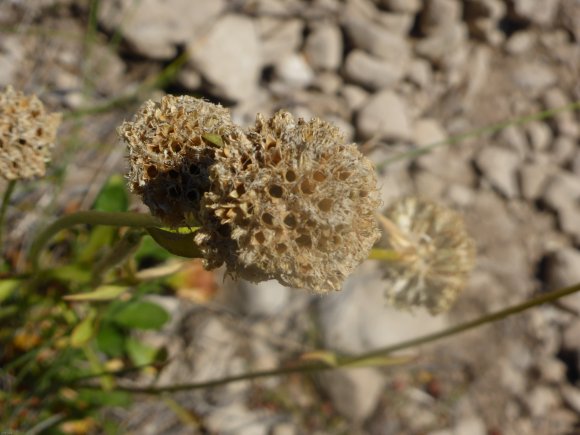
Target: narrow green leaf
151,250
141,315
100,237
83,332
177,242
139,353
72,273
7,287
103,293
113,196
99,397
8,311
110,340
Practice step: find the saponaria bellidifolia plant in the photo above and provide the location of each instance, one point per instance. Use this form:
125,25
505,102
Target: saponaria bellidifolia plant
286,199
27,135
435,254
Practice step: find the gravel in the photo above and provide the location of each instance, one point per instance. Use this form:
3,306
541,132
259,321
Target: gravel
229,57
385,116
395,75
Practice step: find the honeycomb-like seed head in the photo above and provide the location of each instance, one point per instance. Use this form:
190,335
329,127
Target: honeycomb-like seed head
295,203
171,147
437,254
27,135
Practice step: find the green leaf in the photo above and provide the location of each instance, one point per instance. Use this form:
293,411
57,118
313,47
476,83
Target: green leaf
177,242
4,267
8,311
139,353
100,237
149,287
72,273
103,293
7,287
215,139
149,249
141,315
83,332
113,196
112,308
110,340
100,397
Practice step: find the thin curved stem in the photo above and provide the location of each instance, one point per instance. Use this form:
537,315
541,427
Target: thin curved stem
462,327
118,219
157,81
303,368
346,361
4,207
488,129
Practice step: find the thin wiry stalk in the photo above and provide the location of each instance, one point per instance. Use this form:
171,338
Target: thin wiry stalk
157,81
4,206
359,360
488,129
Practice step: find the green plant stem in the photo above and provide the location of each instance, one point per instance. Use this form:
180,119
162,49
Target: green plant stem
157,81
4,207
118,219
380,254
107,382
358,360
303,368
466,326
117,254
488,129
46,424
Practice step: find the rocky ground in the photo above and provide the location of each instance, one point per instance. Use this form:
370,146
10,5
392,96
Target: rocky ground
394,75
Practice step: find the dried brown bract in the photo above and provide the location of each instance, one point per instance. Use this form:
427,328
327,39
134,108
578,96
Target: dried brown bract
295,203
27,135
436,252
171,147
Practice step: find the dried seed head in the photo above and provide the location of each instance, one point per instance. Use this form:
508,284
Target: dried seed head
171,146
437,254
295,203
27,135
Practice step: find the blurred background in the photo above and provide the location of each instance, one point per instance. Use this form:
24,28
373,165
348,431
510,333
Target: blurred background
394,75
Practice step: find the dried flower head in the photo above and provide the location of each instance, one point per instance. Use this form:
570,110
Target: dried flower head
171,146
436,253
295,203
27,135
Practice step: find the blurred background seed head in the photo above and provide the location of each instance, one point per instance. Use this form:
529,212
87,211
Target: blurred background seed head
27,135
436,254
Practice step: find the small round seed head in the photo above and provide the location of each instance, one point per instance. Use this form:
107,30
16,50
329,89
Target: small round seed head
27,135
171,146
295,203
437,254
